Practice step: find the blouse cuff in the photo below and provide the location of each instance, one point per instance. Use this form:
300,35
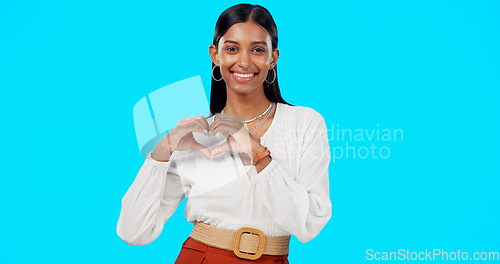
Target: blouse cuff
263,173
155,163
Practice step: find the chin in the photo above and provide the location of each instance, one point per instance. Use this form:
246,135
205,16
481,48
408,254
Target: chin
243,89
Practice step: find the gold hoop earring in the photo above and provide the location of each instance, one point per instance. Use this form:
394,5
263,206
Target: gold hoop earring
273,78
213,74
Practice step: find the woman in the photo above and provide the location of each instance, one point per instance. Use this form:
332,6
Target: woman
253,173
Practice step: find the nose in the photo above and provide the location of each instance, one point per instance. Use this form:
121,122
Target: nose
244,59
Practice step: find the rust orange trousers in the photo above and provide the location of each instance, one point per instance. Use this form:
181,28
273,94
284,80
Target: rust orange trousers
194,252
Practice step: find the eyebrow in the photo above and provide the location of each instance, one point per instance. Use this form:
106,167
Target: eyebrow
253,43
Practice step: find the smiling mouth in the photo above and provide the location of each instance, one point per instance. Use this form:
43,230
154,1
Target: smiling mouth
244,75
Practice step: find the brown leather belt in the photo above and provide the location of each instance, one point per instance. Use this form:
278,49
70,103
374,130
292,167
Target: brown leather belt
246,242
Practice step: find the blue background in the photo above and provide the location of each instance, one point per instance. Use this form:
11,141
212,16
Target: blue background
71,72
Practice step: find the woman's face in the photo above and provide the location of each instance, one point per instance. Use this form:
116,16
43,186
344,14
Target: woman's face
245,56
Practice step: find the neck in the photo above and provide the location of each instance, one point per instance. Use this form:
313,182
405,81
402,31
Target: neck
247,105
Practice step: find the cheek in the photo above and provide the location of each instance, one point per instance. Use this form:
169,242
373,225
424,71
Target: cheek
227,61
263,62
263,65
263,74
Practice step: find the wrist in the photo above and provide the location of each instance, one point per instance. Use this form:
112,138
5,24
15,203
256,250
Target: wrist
165,155
261,156
257,148
265,160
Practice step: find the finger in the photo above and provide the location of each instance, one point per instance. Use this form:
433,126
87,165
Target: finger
222,148
233,116
192,126
232,123
186,119
200,122
214,123
211,128
235,122
223,126
204,120
226,119
225,130
194,117
218,128
195,129
206,151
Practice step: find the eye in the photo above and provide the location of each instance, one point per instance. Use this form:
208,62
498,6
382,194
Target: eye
231,49
259,50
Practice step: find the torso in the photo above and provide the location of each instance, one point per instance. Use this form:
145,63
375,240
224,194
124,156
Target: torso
223,191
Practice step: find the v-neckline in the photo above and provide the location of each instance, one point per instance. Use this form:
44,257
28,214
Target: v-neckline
264,136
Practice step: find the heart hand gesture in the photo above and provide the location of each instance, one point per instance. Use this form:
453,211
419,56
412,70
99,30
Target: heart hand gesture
238,140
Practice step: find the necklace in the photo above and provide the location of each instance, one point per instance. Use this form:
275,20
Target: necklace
259,125
263,120
248,121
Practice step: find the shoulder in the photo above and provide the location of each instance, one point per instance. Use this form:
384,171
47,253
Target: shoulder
304,123
303,115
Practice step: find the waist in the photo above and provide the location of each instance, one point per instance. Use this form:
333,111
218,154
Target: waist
246,242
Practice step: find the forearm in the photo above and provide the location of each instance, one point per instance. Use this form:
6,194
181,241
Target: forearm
140,220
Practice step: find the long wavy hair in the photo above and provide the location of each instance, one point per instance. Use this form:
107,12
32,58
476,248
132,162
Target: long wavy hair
239,14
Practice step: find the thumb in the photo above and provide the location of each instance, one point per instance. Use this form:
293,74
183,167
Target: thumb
206,151
222,148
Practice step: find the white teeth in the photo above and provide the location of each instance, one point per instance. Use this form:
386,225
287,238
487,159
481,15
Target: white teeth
243,75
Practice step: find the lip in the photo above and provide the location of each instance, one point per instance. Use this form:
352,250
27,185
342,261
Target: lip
239,79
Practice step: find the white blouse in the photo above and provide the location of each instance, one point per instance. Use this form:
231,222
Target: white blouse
289,196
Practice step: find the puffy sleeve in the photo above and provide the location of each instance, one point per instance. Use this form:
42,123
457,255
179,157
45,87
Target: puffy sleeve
301,206
149,202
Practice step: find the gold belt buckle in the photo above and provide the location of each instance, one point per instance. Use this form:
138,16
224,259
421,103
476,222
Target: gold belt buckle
236,243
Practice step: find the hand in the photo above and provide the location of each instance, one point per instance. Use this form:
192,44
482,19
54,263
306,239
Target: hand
181,138
238,140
